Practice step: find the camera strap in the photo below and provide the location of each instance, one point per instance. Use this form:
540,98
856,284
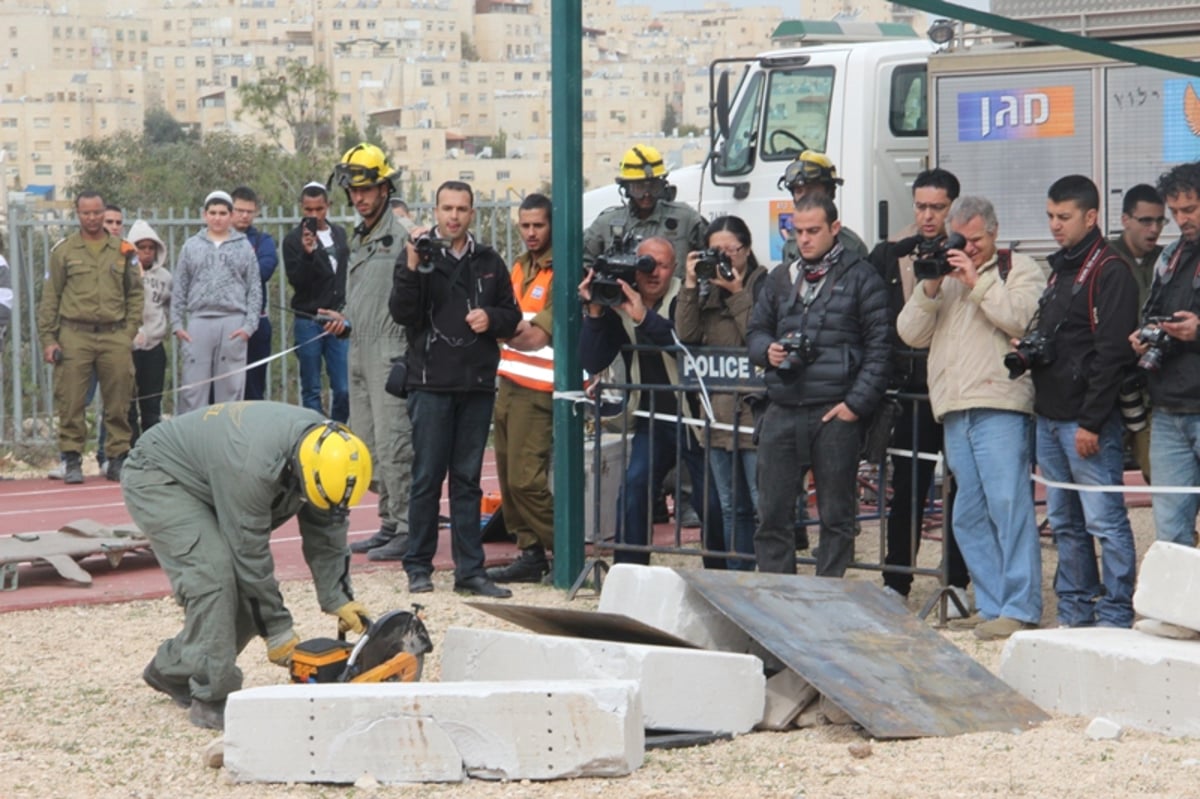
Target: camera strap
1086,275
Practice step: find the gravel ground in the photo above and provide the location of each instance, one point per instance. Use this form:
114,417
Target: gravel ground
78,721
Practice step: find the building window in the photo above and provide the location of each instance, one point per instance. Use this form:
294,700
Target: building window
43,170
179,62
503,174
159,62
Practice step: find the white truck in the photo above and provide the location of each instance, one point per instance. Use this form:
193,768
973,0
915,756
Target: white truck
1007,120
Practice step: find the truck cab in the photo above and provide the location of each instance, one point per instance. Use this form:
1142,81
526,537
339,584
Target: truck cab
863,104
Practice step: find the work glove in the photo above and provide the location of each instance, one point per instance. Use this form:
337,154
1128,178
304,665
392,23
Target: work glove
280,648
351,617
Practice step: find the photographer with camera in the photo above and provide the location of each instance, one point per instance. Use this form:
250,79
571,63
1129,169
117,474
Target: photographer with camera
820,328
454,296
714,308
1170,355
1079,354
315,256
971,303
643,317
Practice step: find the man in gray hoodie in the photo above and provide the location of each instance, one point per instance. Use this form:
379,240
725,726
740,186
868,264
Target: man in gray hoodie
218,290
149,354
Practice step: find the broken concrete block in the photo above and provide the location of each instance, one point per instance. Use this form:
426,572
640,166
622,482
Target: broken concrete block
1168,586
1164,629
1102,729
834,713
657,596
787,694
678,686
434,732
1134,679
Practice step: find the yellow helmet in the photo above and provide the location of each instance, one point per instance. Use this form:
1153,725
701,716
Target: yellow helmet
641,162
334,467
810,167
364,165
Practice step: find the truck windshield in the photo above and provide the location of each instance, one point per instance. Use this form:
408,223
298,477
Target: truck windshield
793,117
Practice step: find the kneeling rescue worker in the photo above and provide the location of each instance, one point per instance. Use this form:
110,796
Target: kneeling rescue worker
207,488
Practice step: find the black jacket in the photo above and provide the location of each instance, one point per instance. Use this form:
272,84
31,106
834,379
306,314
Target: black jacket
1089,320
315,282
444,354
848,323
1175,387
909,371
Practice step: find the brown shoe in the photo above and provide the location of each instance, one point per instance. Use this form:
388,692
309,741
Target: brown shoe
969,623
1001,628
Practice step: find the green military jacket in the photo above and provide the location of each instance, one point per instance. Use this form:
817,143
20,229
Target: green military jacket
673,221
237,458
95,288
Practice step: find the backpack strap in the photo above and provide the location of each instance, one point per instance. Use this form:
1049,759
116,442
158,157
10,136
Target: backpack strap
1003,264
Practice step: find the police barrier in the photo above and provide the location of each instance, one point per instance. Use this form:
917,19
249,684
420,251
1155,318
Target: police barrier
669,420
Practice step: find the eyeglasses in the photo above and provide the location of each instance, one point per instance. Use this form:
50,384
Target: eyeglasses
937,208
732,251
1150,221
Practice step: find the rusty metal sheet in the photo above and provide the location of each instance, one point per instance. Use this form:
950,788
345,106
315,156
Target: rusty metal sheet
582,624
866,653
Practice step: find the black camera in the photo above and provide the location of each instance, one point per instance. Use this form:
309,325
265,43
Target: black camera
1036,349
311,224
1160,343
800,349
613,266
930,261
713,264
427,247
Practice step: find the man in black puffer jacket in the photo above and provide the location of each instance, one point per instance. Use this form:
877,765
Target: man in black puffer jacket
455,303
820,328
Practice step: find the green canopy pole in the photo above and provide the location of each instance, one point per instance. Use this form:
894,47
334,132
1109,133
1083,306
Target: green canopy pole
566,130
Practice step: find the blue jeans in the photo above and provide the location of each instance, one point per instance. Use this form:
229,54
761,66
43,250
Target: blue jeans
989,452
1087,596
735,476
1175,461
312,348
449,434
652,453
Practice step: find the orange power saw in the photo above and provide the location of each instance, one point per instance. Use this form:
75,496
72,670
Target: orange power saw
392,649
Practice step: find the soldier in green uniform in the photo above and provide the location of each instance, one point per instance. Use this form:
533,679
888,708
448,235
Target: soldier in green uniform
814,172
207,488
375,341
90,311
649,212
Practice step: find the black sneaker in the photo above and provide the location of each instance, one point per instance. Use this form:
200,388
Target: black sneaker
384,535
420,584
209,715
72,468
394,549
481,586
178,690
529,567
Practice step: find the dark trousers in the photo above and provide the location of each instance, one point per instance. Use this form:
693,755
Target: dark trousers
149,374
790,438
449,434
652,453
258,348
903,536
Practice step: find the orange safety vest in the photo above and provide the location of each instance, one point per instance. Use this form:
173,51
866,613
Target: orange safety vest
530,369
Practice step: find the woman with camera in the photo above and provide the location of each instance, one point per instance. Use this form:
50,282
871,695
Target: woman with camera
719,288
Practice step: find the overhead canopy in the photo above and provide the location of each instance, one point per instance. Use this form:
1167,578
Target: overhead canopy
46,192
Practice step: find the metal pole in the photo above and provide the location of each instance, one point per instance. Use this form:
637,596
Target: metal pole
566,60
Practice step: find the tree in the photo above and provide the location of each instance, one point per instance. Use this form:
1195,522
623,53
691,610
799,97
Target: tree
349,134
670,120
469,53
162,128
297,99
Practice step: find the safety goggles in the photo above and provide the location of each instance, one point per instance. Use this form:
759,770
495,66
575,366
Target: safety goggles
347,175
807,172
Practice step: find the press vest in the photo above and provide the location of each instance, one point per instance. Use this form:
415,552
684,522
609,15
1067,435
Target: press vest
530,369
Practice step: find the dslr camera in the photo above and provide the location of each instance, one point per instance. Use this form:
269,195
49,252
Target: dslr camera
1034,350
712,264
427,247
612,267
929,262
800,349
1160,343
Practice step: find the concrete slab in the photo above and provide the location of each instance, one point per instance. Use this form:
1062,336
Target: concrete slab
1133,679
434,732
581,624
1168,586
787,694
689,690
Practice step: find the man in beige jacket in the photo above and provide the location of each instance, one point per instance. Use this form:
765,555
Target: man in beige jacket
967,318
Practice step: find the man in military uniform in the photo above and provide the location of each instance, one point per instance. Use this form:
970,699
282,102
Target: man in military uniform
375,341
649,212
810,174
210,528
90,311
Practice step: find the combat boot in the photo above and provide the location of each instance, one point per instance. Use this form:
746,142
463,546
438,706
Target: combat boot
209,715
529,567
113,472
394,549
385,534
72,468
